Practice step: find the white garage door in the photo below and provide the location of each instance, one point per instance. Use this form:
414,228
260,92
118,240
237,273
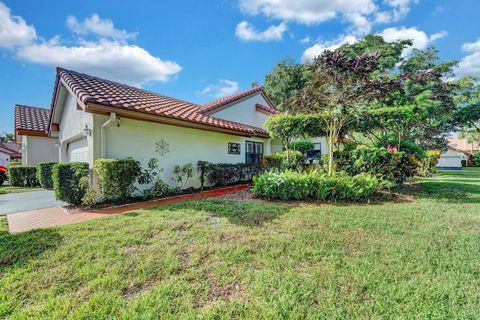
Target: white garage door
78,151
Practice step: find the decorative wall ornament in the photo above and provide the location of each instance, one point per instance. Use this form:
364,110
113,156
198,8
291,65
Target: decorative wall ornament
162,147
233,148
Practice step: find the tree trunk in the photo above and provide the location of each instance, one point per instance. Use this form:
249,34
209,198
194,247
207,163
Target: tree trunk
331,141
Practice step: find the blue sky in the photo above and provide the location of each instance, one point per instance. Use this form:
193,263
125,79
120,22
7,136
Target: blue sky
201,50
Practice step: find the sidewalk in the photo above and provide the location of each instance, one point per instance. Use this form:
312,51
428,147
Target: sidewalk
42,218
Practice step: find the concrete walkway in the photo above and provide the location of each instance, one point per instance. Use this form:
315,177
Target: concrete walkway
47,217
26,201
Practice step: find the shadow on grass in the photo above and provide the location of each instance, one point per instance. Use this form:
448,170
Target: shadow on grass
249,213
19,249
450,191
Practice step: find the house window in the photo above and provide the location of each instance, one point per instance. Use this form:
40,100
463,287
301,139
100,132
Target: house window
253,152
317,151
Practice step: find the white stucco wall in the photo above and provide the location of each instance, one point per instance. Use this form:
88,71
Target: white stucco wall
72,123
38,149
137,139
451,159
244,111
4,159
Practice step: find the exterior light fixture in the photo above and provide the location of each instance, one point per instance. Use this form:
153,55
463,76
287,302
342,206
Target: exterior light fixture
87,132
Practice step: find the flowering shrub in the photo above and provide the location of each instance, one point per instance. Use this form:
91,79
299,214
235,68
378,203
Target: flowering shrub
294,185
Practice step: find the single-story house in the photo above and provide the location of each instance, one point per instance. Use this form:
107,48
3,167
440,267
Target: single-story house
31,131
92,118
9,151
451,159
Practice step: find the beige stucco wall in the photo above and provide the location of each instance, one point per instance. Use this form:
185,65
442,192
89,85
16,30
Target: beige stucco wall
244,111
38,149
137,139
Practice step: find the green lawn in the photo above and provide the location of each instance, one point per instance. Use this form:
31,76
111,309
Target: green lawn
11,189
403,259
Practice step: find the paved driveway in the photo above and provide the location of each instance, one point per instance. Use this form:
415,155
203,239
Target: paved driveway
25,201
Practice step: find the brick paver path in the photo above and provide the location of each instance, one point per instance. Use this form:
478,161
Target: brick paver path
42,218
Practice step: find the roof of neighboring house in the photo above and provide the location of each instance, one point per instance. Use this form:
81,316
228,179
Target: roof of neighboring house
215,104
31,120
463,145
10,148
119,97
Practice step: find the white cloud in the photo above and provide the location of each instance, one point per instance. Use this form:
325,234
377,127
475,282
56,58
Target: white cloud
419,38
222,89
361,14
305,11
470,64
98,26
305,40
248,33
14,31
125,63
310,53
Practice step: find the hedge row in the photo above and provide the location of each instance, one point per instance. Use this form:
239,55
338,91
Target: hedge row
66,181
295,185
20,176
222,174
117,177
44,174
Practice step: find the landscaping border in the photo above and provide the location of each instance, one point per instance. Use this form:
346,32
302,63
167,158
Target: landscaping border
169,200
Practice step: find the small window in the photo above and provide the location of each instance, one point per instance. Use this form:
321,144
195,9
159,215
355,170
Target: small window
253,152
317,151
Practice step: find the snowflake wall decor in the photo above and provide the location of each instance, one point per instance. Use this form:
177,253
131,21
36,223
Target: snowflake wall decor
162,147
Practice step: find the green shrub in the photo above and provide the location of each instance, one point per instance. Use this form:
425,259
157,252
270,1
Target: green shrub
413,149
222,174
305,147
66,181
181,175
426,166
19,175
44,174
284,160
294,185
117,177
385,164
476,159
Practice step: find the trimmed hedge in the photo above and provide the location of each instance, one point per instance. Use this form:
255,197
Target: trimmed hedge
284,160
221,174
19,175
117,177
294,185
44,174
66,181
305,147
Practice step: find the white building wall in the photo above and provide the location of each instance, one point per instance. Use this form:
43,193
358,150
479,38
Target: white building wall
451,159
244,111
137,139
72,125
4,159
38,149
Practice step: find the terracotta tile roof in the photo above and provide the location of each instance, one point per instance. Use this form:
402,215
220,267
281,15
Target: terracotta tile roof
102,92
212,105
30,118
265,109
10,148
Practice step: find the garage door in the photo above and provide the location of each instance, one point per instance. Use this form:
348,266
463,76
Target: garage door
78,151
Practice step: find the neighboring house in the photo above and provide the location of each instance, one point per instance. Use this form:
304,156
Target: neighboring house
95,118
31,131
9,151
463,145
451,159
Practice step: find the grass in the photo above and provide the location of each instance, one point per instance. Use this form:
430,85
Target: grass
12,189
221,259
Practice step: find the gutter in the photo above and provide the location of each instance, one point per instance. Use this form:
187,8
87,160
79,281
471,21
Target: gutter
103,134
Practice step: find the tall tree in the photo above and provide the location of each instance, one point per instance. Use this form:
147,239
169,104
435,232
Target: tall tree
468,100
286,79
7,137
339,91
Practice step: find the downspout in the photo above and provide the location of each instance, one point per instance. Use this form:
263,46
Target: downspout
103,134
